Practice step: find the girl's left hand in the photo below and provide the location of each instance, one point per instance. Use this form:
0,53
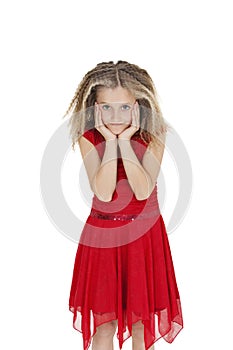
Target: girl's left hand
135,124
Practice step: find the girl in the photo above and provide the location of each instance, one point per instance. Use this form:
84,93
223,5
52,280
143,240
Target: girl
123,275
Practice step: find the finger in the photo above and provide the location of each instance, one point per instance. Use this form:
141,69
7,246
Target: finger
96,115
133,122
134,117
138,114
99,122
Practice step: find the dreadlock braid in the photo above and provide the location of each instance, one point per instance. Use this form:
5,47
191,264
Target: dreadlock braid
111,75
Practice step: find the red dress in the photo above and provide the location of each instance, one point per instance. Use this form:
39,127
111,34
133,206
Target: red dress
123,268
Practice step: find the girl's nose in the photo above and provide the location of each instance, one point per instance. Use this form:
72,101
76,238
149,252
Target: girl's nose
115,117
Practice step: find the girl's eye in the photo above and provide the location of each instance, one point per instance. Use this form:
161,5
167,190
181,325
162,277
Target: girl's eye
106,107
126,107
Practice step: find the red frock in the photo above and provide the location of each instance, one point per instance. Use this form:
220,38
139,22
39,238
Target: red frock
123,268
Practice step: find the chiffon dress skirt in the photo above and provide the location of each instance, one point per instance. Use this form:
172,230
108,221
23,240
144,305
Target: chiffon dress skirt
123,268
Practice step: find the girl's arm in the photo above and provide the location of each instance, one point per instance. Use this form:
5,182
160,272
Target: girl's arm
102,174
142,176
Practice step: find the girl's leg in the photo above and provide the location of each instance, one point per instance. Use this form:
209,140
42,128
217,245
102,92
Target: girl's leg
103,339
138,336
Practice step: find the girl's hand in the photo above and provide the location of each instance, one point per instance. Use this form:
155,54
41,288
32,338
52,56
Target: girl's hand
135,124
99,125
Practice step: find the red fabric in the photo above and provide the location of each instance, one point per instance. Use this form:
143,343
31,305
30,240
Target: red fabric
123,269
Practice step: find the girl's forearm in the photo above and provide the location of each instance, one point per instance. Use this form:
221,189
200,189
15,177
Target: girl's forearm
104,182
139,180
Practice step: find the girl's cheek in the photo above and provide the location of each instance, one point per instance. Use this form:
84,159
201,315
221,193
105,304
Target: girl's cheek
105,119
129,120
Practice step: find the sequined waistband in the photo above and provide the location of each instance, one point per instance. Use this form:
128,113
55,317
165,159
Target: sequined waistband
124,217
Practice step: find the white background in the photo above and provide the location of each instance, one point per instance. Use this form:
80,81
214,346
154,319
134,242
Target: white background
46,48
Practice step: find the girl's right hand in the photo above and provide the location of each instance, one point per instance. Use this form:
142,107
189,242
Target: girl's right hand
99,125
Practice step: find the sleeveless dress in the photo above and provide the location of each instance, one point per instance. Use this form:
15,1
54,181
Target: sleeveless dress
123,268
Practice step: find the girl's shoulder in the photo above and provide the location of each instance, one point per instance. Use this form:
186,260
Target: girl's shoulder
93,135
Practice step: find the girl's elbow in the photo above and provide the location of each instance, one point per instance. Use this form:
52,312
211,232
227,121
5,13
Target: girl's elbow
140,196
104,197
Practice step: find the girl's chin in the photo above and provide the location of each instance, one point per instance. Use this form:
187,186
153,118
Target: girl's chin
116,130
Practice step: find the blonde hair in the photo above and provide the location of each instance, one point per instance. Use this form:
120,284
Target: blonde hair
112,75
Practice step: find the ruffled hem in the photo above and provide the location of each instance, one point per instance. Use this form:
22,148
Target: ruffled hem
158,324
132,282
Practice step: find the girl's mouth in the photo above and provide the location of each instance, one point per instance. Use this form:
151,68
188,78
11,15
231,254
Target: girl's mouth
119,123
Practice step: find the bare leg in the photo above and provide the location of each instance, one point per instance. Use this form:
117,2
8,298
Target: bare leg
103,339
138,336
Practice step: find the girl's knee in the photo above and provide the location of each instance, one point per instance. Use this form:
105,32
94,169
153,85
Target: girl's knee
107,329
138,325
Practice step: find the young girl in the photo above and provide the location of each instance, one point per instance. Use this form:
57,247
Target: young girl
123,275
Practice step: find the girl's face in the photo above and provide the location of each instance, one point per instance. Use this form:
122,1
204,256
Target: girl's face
116,108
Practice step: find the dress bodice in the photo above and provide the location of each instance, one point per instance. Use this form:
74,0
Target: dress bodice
123,199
